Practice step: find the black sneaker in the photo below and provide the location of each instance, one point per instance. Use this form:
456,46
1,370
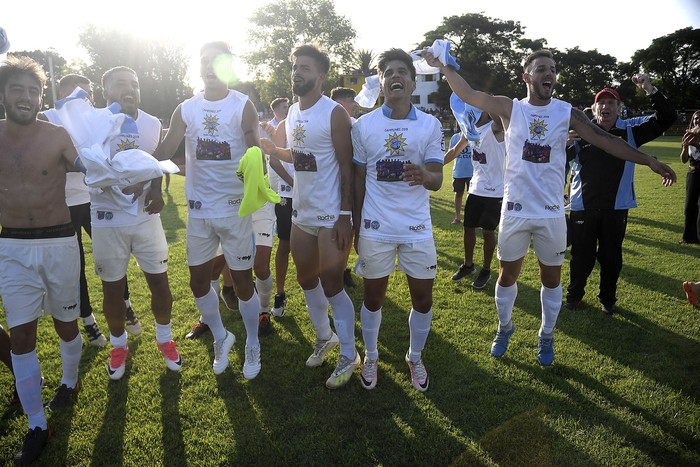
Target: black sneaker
463,272
228,296
482,279
33,444
347,278
198,329
133,325
571,305
264,324
94,335
279,305
64,397
608,309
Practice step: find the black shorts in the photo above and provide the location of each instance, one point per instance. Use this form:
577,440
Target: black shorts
460,185
481,211
283,212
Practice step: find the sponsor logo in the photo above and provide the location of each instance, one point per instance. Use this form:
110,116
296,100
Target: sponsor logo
511,206
431,267
367,223
327,217
165,261
416,228
375,225
234,202
560,253
71,307
244,258
264,234
552,207
105,215
195,204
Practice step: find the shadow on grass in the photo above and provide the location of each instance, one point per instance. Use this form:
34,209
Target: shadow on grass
173,442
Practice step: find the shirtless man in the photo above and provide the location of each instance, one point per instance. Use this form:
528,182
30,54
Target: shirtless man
39,256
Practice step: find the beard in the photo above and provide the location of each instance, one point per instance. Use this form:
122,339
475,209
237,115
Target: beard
12,115
302,89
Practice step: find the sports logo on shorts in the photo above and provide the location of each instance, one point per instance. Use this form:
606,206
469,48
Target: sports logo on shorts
294,213
105,215
511,206
195,204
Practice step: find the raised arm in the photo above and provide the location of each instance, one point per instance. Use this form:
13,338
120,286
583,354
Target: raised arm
457,149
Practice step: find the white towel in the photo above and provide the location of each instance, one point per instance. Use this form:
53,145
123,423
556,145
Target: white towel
4,42
440,50
369,93
467,116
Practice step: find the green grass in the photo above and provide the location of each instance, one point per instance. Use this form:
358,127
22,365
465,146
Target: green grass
624,390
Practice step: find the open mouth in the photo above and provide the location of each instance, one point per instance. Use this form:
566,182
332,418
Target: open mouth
396,87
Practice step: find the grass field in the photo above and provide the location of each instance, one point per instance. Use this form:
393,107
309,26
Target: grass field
623,390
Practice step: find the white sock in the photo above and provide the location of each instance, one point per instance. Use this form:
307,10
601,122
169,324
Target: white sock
344,322
250,311
164,333
216,285
551,305
70,359
119,342
371,322
208,307
264,287
28,384
88,320
419,326
505,299
317,304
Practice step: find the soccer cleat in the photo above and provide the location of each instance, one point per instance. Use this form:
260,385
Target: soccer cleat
198,329
172,357
117,362
608,309
251,366
228,296
689,294
463,272
321,348
419,375
368,375
571,305
482,279
64,397
133,325
221,350
545,350
343,371
264,324
33,444
94,335
500,343
279,305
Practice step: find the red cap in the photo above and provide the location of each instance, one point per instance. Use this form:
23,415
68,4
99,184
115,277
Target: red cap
607,93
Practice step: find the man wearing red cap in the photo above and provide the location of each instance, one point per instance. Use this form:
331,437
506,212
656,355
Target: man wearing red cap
602,191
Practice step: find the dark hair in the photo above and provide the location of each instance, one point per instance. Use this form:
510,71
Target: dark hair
279,101
396,54
71,81
21,65
308,50
224,47
342,93
535,55
108,74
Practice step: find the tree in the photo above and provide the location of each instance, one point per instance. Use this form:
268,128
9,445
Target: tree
59,69
675,60
581,74
364,61
161,67
279,26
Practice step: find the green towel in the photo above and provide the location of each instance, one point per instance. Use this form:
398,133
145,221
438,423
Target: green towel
256,185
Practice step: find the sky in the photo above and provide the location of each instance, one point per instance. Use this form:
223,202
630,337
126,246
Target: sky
617,28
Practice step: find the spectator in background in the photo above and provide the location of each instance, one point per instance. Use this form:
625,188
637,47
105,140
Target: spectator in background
691,154
462,172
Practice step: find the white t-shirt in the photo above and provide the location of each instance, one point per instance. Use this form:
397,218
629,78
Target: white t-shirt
394,211
76,190
112,208
488,158
214,146
316,189
536,160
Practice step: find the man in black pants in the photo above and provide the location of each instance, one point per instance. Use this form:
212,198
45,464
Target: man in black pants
602,191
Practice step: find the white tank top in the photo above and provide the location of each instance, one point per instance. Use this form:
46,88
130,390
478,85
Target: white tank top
214,146
488,157
316,189
112,208
536,160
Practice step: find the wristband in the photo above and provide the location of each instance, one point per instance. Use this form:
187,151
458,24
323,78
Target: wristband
346,213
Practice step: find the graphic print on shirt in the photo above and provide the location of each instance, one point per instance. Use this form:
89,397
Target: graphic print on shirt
478,156
211,149
303,162
391,170
533,152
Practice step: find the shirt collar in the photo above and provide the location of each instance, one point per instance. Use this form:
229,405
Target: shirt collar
386,110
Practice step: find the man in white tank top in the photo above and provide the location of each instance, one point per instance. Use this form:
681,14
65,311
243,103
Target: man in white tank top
318,135
219,125
536,135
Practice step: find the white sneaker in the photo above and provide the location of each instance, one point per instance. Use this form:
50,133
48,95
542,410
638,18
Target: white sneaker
221,350
251,366
321,348
368,375
343,371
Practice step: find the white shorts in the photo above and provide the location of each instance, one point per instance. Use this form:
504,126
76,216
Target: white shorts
548,237
309,229
112,248
40,274
234,235
264,225
377,259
